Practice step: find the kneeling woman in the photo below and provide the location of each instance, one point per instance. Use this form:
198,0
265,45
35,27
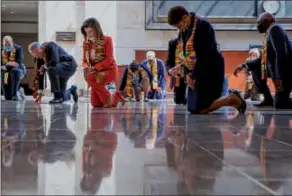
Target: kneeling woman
201,62
99,65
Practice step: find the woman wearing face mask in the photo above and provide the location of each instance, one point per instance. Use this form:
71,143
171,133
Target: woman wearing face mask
12,66
99,65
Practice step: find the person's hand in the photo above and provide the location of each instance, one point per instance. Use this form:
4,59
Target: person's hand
13,64
177,69
42,70
38,99
4,68
238,69
171,72
190,82
278,85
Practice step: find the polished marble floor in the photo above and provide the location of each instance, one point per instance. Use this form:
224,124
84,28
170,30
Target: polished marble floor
139,148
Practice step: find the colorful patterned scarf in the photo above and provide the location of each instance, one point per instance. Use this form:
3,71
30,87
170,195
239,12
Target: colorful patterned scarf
154,70
8,56
264,58
134,76
94,51
188,58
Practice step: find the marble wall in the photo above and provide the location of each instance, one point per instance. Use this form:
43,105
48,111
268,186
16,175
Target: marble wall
125,22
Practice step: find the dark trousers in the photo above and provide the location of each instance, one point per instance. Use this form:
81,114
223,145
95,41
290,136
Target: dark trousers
261,85
282,98
180,93
10,90
59,76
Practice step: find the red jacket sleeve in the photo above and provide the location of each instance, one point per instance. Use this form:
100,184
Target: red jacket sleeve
109,56
84,61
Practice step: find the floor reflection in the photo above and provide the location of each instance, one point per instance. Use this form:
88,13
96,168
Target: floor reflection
143,148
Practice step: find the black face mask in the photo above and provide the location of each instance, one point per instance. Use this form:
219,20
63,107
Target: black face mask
260,27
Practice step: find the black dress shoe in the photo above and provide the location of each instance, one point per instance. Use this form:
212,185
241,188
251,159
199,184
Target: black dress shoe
73,92
56,101
265,104
242,107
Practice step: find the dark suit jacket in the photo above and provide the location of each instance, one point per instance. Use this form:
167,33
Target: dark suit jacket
19,57
170,60
279,54
209,68
40,78
56,54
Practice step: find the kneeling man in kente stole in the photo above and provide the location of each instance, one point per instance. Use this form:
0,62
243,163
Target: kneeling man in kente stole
199,60
158,84
136,79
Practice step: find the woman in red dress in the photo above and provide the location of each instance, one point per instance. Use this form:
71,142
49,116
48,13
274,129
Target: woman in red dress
99,65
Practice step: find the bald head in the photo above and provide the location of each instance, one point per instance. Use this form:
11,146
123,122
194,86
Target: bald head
264,21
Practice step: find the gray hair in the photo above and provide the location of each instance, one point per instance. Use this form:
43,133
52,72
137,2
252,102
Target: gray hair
33,45
7,38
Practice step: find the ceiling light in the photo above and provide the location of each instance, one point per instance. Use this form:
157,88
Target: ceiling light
3,6
12,12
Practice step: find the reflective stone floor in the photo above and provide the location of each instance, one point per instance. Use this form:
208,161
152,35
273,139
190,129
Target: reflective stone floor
152,149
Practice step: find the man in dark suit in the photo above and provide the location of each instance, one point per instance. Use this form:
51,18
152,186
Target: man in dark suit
60,66
275,61
12,63
177,83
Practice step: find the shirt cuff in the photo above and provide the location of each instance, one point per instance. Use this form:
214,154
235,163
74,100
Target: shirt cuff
40,91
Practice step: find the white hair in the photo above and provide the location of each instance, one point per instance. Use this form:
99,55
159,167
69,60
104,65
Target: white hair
7,38
150,54
255,51
33,45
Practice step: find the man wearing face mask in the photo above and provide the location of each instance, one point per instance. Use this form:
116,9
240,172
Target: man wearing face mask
275,61
12,66
136,79
158,84
60,67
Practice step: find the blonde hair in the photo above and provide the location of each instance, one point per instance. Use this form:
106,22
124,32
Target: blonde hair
7,38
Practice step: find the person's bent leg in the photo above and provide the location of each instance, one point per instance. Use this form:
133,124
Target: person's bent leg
55,84
94,99
6,88
282,98
233,99
263,88
17,76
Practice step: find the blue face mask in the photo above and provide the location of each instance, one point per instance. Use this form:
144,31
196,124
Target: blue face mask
7,48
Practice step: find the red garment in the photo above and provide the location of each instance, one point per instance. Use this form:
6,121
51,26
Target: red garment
106,71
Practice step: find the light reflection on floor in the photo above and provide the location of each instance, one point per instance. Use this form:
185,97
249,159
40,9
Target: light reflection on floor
143,148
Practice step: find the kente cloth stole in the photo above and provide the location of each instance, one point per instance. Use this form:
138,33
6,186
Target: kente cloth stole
154,70
8,56
129,84
35,79
95,53
188,58
264,57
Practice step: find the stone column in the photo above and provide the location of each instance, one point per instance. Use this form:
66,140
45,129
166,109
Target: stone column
63,16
